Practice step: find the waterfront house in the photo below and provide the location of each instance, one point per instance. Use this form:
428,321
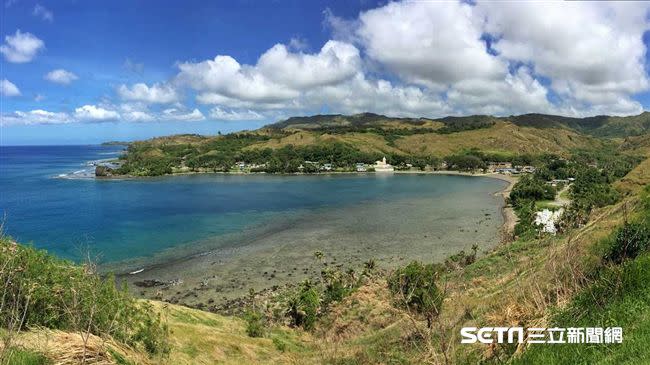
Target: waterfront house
495,166
527,169
361,167
383,166
507,171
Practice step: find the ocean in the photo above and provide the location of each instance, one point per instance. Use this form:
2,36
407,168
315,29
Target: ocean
50,200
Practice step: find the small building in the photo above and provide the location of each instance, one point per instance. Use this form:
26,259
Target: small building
556,182
507,171
326,167
361,167
495,166
527,169
383,166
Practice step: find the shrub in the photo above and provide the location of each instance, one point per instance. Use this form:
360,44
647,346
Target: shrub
530,188
303,308
631,240
254,324
414,288
41,290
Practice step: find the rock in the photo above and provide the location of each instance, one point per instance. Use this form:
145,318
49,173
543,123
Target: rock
103,171
149,283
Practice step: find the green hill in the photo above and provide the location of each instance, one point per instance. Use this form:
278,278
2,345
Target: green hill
343,140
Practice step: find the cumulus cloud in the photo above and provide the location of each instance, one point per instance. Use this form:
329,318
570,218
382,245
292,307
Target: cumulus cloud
592,52
417,58
138,116
43,13
21,47
175,114
156,94
61,76
95,113
37,116
218,113
278,76
336,62
7,88
432,43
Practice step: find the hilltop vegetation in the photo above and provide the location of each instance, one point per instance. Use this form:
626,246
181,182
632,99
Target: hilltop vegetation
342,141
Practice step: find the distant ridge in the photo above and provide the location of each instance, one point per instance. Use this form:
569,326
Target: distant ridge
599,126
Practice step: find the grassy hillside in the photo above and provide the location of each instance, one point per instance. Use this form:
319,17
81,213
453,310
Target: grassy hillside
599,126
345,140
564,280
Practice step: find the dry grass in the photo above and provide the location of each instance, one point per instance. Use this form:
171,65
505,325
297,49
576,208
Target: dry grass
65,348
502,137
636,179
199,337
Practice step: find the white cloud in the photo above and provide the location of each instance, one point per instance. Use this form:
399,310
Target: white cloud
225,76
179,115
430,43
592,52
7,88
418,58
157,93
43,13
361,94
279,75
94,113
298,44
136,112
21,47
234,115
138,116
61,76
336,62
37,116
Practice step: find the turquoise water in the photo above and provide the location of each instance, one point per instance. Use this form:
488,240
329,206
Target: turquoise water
139,218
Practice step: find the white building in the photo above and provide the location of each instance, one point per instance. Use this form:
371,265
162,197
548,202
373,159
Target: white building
383,166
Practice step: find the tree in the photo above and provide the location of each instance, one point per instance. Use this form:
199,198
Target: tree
414,288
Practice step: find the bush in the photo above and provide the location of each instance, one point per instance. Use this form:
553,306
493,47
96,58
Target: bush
631,240
414,288
530,188
303,308
254,324
57,294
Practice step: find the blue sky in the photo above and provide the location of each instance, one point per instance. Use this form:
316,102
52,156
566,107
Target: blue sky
86,72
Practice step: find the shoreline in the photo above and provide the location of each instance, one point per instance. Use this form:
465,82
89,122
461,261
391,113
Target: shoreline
271,260
506,229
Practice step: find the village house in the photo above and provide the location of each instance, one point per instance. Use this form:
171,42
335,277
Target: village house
506,171
527,169
495,166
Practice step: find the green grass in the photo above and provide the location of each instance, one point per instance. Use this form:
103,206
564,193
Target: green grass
619,298
19,356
